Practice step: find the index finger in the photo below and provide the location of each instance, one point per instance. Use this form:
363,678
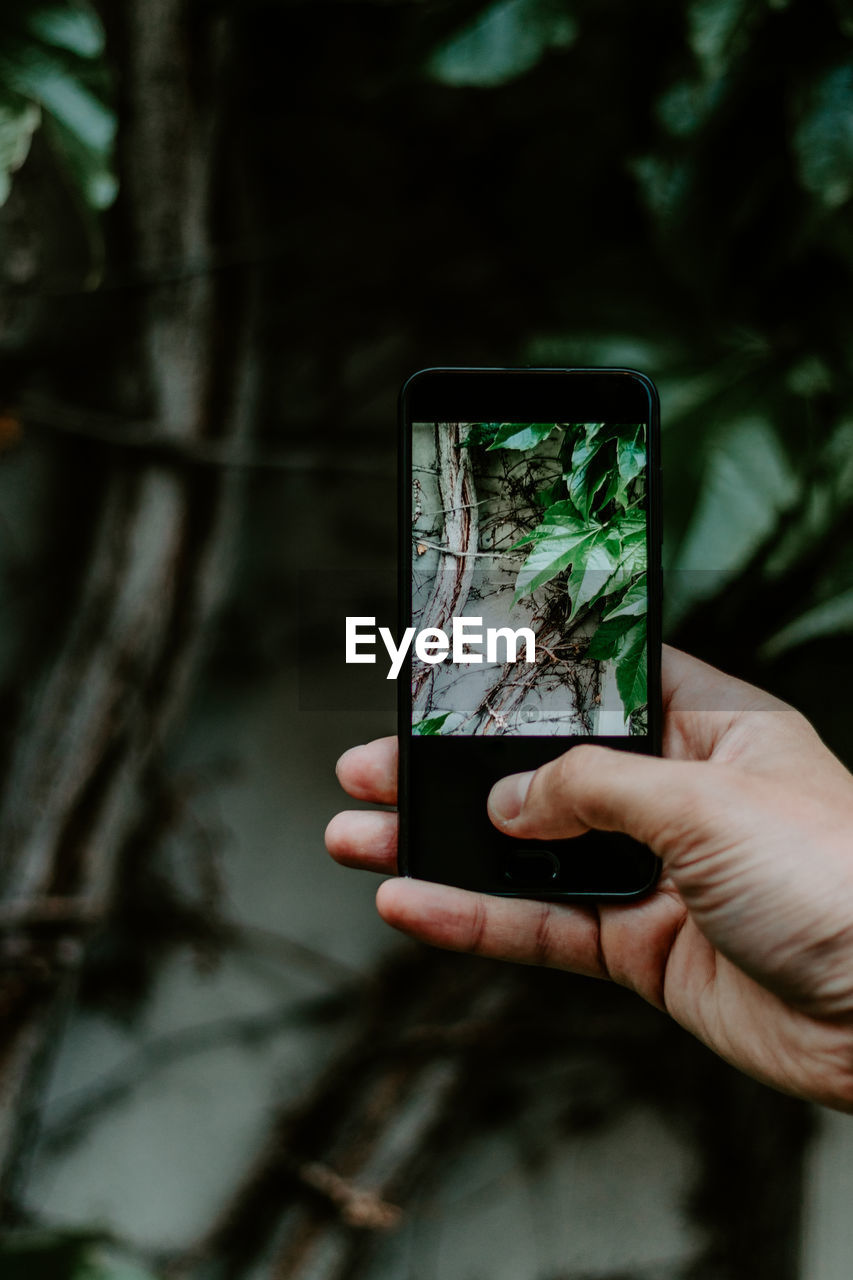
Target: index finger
370,772
702,705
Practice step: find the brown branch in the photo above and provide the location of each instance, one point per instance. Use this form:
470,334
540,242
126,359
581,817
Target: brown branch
34,913
368,1117
149,441
161,542
87,1105
452,583
461,555
358,1207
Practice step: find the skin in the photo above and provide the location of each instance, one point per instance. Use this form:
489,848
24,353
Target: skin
747,941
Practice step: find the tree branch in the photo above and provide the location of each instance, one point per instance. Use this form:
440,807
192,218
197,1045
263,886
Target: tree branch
161,546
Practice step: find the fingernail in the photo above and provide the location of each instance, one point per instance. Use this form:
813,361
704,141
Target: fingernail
507,796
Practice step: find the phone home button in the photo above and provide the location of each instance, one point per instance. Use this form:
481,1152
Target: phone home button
532,868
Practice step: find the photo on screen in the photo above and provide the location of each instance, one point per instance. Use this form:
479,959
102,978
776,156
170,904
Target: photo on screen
537,525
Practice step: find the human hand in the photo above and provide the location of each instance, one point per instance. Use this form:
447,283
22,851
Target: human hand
747,941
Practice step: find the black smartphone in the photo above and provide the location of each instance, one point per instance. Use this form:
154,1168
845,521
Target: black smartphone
530,598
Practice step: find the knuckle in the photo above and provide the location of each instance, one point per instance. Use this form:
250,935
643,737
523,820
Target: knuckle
581,784
477,929
542,948
575,766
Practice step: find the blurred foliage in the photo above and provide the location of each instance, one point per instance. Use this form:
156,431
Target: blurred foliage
694,222
65,1255
747,170
52,76
735,125
596,182
665,185
502,42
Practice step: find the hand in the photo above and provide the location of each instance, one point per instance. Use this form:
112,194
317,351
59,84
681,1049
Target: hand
748,939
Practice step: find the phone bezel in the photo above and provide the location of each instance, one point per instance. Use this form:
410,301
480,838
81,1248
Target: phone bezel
468,393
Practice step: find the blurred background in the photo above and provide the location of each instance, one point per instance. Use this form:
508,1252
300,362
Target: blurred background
229,230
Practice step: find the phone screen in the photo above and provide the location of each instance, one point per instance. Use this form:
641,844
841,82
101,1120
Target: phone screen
530,553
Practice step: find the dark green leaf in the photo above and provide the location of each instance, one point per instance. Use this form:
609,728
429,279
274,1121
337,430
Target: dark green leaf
712,27
48,65
18,123
631,668
632,531
608,637
585,478
612,490
431,726
560,513
90,168
74,29
552,494
521,435
482,433
594,571
823,139
503,42
829,618
557,542
602,557
47,78
631,454
633,603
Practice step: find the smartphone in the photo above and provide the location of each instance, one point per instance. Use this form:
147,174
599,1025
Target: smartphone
530,592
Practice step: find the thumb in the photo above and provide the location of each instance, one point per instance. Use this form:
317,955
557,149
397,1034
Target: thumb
663,803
